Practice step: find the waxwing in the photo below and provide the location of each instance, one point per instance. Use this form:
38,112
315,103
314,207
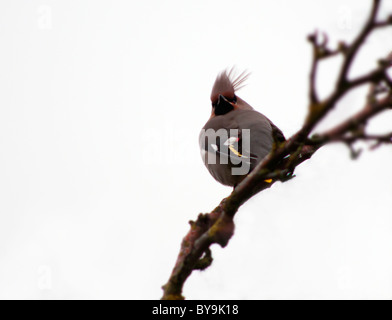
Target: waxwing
236,137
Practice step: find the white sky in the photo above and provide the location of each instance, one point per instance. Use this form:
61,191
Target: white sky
101,104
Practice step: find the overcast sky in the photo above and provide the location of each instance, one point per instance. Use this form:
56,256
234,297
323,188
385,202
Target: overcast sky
101,104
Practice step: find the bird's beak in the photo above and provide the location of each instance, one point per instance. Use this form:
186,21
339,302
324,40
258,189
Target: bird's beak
222,106
222,99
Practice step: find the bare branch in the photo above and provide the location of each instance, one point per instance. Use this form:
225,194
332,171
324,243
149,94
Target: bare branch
312,92
385,23
354,48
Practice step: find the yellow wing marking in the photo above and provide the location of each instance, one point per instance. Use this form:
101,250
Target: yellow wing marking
236,152
231,147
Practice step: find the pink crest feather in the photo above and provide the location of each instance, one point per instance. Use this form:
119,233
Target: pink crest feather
227,83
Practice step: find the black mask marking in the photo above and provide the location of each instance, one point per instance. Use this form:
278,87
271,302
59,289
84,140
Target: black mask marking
222,106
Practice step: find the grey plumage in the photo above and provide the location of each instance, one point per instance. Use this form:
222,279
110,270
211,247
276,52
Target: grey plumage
235,113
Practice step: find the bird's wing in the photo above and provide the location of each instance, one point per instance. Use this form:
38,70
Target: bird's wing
261,140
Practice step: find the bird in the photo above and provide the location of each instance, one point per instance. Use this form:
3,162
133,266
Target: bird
236,137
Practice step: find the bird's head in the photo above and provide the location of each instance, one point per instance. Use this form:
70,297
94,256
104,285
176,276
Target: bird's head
223,105
223,97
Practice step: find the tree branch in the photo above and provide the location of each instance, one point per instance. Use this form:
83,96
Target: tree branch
360,39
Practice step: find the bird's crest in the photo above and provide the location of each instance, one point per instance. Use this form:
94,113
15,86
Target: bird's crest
227,83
